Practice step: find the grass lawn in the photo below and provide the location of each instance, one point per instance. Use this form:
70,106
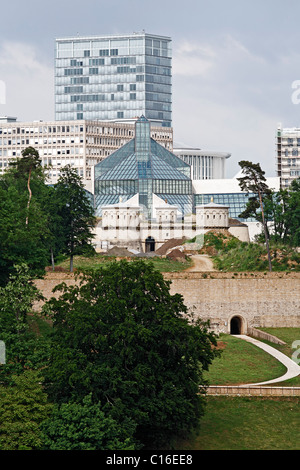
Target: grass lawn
289,336
242,362
98,260
242,423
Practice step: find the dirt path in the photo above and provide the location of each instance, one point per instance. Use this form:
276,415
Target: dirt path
201,263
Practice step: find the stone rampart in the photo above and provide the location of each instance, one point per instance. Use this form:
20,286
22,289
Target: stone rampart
227,300
245,300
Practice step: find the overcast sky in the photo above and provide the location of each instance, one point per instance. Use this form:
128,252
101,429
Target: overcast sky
234,64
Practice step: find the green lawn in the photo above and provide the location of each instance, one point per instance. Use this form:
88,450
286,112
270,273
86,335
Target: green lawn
242,362
242,423
98,260
289,336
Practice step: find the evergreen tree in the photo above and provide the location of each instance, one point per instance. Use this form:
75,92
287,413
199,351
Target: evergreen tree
75,211
254,182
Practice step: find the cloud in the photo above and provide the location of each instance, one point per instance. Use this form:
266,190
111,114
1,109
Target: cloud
29,82
193,59
224,99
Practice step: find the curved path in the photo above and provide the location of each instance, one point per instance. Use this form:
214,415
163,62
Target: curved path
293,369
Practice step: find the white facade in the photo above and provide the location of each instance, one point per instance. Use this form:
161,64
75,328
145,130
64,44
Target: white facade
228,192
212,216
288,155
205,164
82,144
124,225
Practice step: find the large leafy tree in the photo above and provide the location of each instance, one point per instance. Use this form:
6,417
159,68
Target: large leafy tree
254,182
75,211
83,426
23,408
23,349
121,336
24,229
293,213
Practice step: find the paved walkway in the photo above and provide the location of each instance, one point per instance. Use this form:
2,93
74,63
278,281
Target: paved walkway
293,369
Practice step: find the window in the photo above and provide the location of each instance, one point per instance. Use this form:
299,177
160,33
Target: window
120,114
133,96
103,52
93,70
132,86
87,53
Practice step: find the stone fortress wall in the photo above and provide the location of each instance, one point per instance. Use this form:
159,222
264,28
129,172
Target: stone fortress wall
232,302
241,301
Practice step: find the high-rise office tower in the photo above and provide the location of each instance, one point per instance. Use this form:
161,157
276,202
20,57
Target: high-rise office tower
288,155
116,78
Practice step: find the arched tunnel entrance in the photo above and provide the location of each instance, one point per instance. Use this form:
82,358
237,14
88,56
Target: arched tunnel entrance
236,326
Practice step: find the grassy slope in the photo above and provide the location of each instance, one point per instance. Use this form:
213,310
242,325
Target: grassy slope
242,362
94,262
247,424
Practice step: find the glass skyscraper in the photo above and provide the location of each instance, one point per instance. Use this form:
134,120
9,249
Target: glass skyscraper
114,78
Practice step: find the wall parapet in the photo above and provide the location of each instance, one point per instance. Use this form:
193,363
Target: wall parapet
252,390
263,335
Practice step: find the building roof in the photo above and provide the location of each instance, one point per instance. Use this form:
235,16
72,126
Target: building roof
129,163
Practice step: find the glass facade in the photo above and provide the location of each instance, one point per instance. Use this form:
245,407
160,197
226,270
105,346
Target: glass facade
235,201
143,167
113,78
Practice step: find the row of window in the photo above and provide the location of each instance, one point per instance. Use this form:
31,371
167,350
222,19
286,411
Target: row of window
41,141
157,61
41,129
97,97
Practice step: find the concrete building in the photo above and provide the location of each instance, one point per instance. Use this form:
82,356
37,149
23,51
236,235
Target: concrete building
144,196
205,164
81,144
115,78
287,155
227,192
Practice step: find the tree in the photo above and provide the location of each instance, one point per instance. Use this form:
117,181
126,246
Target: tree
23,407
254,182
76,212
25,166
23,349
24,230
293,213
275,206
121,336
83,426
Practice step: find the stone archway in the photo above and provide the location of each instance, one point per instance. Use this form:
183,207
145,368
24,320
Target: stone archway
237,326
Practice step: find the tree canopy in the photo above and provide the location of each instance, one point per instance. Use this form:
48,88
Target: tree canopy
75,212
123,338
254,182
38,221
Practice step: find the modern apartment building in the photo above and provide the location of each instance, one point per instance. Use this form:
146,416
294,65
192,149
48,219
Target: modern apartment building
115,78
288,155
81,144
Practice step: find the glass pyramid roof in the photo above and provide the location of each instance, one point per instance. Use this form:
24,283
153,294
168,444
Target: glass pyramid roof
127,163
